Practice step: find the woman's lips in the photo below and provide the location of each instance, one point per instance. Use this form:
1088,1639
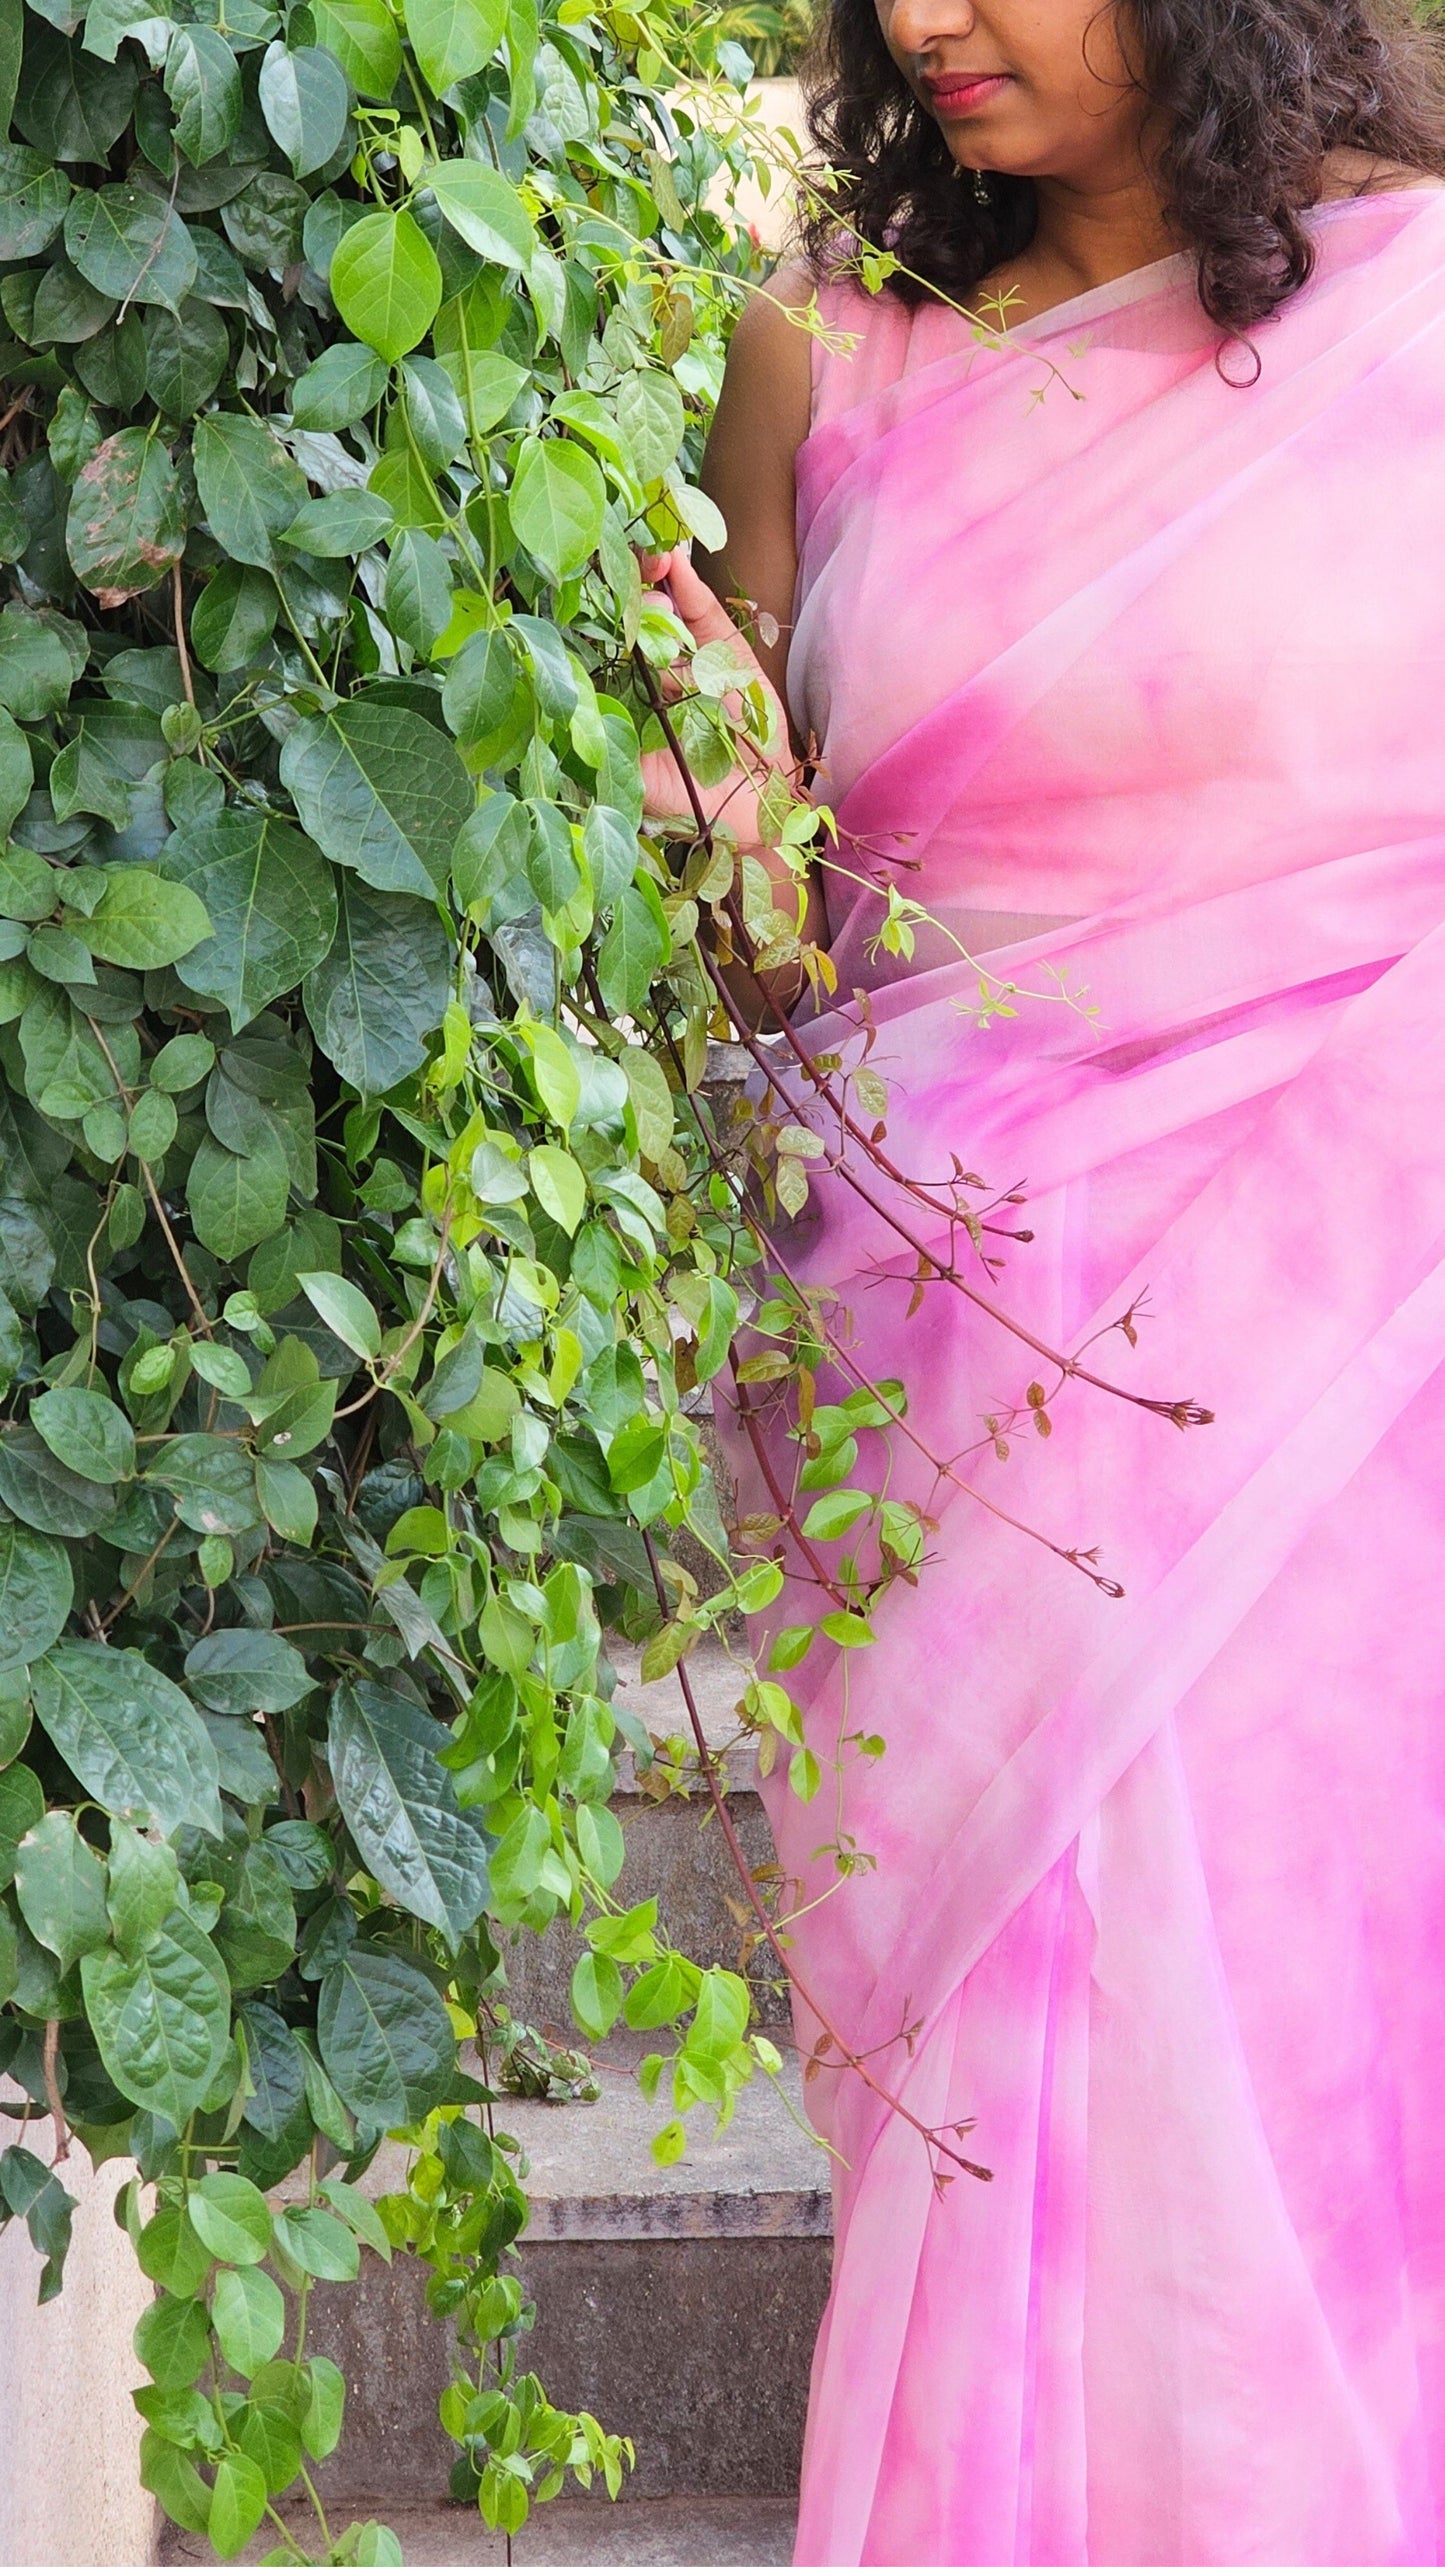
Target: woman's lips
960,93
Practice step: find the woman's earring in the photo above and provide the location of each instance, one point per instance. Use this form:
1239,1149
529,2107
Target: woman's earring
980,189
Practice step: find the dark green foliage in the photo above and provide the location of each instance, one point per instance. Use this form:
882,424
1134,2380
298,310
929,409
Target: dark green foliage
352,1203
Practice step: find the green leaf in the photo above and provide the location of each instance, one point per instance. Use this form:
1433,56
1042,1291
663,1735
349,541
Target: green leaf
243,1671
249,2316
235,1201
559,1185
17,775
33,197
143,921
651,416
162,2022
144,1885
275,2060
386,283
22,1806
212,1483
453,38
203,84
379,2547
151,1131
342,385
347,1313
112,364
87,1432
173,2342
488,701
555,1072
306,103
363,36
326,2406
721,2015
238,2504
71,106
249,487
670,2143
265,223
233,618
435,421
381,790
128,1735
830,1517
14,1724
60,1885
386,2038
36,676
39,1489
596,1994
130,246
66,309
632,952
600,1842
231,2219
36,1593
288,1500
418,595
319,2243
174,2480
182,1063
169,2252
398,1800
270,900
12,46
557,504
126,524
186,354
361,2216
850,1630
344,523
485,209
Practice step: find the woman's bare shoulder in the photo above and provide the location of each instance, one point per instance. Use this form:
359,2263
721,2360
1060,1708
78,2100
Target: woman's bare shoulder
770,355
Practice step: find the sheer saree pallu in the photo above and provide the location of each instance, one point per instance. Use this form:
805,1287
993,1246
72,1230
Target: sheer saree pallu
1157,1883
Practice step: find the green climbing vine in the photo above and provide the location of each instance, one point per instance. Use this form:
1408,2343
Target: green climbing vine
369,1239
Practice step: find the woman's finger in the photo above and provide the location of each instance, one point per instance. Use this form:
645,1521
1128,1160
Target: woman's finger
704,613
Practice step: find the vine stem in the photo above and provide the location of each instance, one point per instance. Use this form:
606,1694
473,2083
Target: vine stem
159,1209
1182,1412
138,1581
50,2062
933,2139
182,652
1071,1556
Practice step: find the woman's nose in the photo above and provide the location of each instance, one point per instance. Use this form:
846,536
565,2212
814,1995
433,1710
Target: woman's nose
914,27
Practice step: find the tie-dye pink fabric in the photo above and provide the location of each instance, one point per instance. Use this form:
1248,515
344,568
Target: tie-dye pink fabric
1160,1882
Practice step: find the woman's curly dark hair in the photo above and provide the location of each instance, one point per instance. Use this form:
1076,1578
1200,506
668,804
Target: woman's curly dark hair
1250,94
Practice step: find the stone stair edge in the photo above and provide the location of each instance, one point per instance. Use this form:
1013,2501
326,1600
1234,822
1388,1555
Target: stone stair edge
591,2175
668,2531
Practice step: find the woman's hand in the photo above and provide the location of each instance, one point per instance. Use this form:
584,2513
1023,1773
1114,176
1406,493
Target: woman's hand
675,583
761,998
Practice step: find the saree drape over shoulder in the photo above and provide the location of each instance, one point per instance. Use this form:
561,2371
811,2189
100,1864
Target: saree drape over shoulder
1089,634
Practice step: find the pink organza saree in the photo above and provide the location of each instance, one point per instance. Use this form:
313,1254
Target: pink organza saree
1089,634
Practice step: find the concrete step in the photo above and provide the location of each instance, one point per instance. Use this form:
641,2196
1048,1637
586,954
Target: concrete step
675,1849
678,2304
574,2534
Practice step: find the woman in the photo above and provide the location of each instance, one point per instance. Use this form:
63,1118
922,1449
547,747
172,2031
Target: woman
1121,642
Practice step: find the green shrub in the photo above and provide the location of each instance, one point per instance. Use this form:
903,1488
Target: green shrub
362,1253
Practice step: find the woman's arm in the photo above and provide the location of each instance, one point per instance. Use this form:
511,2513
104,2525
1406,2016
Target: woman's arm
761,420
748,469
